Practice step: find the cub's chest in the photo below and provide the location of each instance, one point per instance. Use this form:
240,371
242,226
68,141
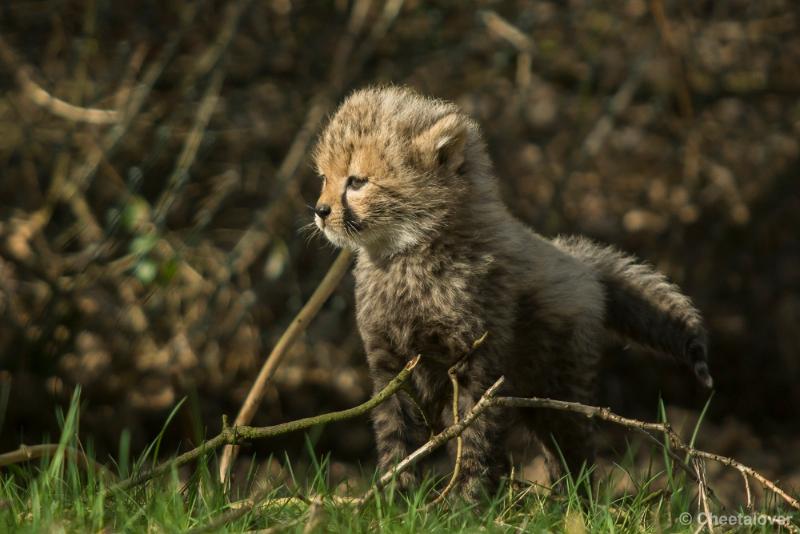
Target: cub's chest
419,307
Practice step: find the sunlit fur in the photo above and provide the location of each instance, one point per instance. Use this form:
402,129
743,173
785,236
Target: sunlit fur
440,262
406,200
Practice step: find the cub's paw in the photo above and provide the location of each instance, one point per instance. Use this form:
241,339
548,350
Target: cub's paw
406,483
477,491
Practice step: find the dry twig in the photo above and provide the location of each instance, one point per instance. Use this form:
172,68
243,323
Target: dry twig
664,428
435,442
180,175
518,39
240,511
453,374
42,98
234,435
702,493
504,29
679,66
26,453
459,443
345,65
297,327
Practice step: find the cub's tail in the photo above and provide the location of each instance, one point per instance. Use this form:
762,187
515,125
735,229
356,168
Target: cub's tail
643,305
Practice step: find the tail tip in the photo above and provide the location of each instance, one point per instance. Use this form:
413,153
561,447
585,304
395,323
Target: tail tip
703,375
697,355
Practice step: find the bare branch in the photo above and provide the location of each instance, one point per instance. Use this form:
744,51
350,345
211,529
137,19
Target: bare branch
39,96
459,443
237,512
233,435
453,374
435,442
180,175
210,60
664,428
749,503
507,31
344,67
297,327
26,453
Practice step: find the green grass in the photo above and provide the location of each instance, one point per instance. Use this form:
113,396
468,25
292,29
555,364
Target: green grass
56,494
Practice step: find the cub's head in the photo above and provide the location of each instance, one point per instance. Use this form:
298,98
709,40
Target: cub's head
395,166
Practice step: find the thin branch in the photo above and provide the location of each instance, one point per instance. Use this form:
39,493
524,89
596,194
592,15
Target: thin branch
749,503
347,61
519,40
128,79
664,428
61,108
212,55
233,435
453,374
80,179
702,493
295,329
180,175
679,67
240,511
596,138
743,469
459,443
435,442
27,453
507,31
211,59
680,462
42,98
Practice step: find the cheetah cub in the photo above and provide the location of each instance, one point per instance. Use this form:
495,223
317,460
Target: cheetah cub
407,184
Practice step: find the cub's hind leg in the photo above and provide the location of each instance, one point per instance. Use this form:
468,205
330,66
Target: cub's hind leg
569,437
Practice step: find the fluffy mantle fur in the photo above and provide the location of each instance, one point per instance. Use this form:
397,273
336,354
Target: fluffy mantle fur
408,185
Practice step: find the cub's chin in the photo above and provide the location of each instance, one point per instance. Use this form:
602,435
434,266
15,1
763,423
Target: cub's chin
379,242
339,239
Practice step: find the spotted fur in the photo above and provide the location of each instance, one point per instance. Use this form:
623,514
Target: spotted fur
408,185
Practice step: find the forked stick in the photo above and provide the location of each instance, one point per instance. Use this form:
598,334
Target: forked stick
234,435
434,443
453,374
297,327
664,428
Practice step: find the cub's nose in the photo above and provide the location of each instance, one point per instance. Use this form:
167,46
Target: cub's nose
323,210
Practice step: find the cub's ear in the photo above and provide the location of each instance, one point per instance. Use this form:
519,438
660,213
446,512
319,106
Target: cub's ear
442,145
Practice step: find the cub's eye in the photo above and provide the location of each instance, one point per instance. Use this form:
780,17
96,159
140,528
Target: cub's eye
355,183
323,178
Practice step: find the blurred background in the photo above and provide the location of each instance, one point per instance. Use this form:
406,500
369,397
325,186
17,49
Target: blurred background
154,177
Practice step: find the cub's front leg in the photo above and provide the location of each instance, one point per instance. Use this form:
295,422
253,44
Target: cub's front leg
484,456
399,427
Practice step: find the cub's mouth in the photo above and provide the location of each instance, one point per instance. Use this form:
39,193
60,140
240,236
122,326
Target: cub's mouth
344,231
